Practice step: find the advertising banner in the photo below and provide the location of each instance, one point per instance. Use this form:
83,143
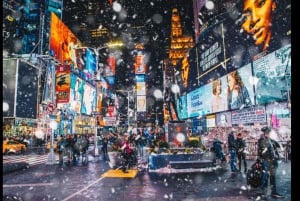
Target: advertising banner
251,115
198,102
140,88
211,121
88,99
9,86
223,119
181,107
110,69
109,121
140,65
49,90
279,115
273,73
141,103
62,83
27,91
62,41
76,93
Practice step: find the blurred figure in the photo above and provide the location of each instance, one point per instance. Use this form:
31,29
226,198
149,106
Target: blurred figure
126,152
60,149
269,158
232,151
241,155
104,148
217,148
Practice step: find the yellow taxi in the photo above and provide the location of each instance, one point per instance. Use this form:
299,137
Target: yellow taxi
11,146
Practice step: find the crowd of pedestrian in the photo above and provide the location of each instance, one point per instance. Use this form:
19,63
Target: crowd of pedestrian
267,157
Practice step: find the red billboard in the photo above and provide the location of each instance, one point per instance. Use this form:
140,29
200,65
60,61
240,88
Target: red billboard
62,83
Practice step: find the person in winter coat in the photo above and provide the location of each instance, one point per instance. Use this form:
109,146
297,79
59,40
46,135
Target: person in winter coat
269,157
232,151
126,152
241,155
217,148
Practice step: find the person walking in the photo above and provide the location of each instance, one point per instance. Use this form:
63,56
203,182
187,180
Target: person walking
61,148
104,148
269,159
126,152
241,155
232,151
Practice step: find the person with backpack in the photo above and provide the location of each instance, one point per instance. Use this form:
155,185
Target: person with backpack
269,157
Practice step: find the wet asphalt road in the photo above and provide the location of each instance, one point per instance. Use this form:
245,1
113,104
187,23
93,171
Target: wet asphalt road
78,182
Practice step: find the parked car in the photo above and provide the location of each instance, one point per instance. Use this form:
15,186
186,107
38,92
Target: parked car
11,146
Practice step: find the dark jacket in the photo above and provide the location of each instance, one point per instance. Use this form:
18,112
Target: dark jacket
267,149
240,145
231,142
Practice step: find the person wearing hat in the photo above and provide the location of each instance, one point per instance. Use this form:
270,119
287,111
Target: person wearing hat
267,155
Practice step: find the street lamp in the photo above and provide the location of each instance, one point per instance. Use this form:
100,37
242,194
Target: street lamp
51,156
128,102
96,80
156,117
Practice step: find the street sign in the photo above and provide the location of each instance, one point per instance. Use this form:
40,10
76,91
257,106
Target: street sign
50,107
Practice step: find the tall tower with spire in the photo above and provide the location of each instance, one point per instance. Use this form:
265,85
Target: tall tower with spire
180,44
179,47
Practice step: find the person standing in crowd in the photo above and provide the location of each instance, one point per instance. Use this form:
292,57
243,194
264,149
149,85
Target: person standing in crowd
126,152
217,148
218,102
232,151
104,148
241,155
237,93
269,159
61,148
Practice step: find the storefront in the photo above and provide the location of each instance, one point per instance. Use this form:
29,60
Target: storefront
83,124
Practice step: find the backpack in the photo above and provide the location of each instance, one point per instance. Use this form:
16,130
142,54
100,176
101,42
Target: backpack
254,175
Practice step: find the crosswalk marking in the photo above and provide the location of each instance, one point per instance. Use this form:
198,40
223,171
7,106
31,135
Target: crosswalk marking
30,159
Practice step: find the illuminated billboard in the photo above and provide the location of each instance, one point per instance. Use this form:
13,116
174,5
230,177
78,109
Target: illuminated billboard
273,76
62,41
76,93
27,91
232,91
9,86
62,83
88,99
181,107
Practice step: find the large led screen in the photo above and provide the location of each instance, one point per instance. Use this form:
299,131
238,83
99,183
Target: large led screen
273,76
62,41
232,91
62,83
88,100
232,39
49,89
181,107
9,86
76,93
223,119
27,91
